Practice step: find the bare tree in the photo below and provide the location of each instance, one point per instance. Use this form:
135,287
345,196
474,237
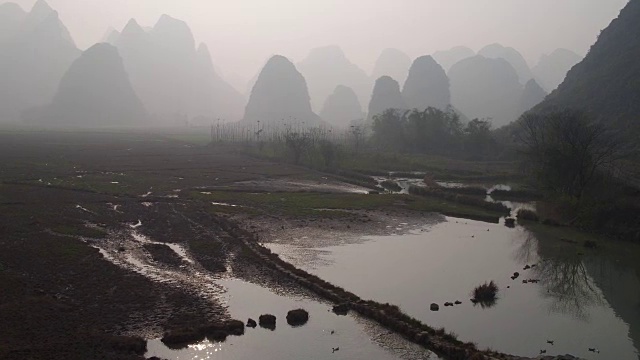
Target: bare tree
566,151
297,143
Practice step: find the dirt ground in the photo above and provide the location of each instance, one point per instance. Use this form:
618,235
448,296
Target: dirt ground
75,282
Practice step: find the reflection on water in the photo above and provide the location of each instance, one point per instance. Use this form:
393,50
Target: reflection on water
325,331
575,301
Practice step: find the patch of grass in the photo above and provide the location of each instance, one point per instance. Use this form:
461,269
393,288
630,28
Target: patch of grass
526,214
78,230
303,204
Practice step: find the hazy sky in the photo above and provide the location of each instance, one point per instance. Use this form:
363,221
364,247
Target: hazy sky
243,33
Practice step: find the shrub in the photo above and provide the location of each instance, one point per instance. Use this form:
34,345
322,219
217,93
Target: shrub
486,292
526,214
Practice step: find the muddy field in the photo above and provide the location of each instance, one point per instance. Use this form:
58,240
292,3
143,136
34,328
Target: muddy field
110,238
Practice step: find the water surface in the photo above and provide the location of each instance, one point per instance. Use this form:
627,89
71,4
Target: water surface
585,298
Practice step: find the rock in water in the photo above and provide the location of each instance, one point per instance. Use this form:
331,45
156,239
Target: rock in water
386,95
341,107
267,321
280,96
512,56
486,88
532,95
297,317
393,63
95,91
427,85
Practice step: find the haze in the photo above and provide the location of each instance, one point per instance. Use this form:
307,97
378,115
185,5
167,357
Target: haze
243,34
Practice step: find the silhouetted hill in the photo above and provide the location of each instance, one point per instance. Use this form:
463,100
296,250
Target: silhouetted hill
212,95
606,83
95,91
341,107
110,36
552,69
280,96
173,79
532,95
497,51
327,67
427,85
447,58
486,88
33,61
386,95
393,63
11,17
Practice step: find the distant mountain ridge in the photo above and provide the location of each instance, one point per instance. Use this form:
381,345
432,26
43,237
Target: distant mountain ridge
606,83
327,67
94,92
280,97
33,58
174,79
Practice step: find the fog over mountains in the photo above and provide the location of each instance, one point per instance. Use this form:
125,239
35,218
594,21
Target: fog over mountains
176,82
280,96
35,52
327,67
605,83
95,91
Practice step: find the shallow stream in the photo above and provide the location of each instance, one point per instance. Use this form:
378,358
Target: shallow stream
585,298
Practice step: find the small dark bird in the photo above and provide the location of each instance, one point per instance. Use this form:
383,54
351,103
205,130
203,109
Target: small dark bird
332,332
543,351
550,342
335,349
594,350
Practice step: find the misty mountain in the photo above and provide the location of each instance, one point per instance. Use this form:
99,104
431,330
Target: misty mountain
552,69
110,36
497,51
11,17
341,107
33,60
393,63
427,85
95,91
280,96
173,79
605,83
532,95
447,58
327,67
386,95
486,88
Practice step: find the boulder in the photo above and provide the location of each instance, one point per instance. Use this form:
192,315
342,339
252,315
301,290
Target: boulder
267,321
297,317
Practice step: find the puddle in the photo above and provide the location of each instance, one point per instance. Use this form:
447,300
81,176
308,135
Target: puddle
223,204
135,226
580,302
355,338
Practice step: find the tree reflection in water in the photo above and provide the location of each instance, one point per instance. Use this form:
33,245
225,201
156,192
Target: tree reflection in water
563,277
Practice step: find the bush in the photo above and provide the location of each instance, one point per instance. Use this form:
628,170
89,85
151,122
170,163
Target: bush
486,292
391,186
526,214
